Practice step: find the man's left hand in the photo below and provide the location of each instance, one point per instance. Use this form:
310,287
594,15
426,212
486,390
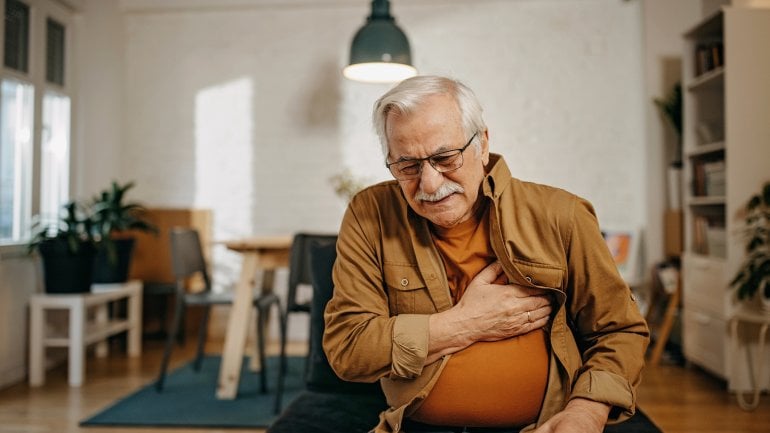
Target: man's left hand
579,416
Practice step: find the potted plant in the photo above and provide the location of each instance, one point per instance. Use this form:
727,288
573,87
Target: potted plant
753,277
671,108
67,249
113,221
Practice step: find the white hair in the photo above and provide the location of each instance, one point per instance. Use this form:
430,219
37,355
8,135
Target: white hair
408,95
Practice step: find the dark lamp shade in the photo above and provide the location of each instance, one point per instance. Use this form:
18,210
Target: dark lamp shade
380,53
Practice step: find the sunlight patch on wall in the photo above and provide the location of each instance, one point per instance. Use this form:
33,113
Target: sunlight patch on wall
224,178
361,149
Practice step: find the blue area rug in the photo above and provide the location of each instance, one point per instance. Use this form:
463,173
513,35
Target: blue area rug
189,399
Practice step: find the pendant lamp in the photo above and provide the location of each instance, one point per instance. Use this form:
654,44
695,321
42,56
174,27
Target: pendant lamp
380,51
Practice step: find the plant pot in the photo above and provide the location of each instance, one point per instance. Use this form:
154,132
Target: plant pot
109,270
65,271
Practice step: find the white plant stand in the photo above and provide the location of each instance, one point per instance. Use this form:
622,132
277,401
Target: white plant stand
746,316
83,331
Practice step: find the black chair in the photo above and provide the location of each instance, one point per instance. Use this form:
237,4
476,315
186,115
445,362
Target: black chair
187,261
329,404
300,273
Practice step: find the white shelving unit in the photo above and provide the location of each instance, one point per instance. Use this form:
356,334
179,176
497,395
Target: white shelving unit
83,329
726,159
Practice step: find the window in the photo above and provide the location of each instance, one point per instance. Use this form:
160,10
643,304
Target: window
34,151
54,52
16,44
15,158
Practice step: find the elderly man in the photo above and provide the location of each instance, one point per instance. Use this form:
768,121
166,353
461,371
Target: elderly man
476,299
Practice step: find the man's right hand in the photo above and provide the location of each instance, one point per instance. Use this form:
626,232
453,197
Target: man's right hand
491,309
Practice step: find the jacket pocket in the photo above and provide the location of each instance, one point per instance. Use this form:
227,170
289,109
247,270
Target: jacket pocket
539,275
407,292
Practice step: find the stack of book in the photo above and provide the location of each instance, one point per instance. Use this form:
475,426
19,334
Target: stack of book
709,238
708,56
709,179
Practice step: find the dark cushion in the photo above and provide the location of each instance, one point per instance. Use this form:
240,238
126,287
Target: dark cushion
321,377
328,412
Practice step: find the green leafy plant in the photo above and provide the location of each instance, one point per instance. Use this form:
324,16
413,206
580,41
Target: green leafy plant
754,273
73,229
114,217
670,107
346,184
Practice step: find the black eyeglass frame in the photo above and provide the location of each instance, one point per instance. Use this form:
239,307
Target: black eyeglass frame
430,158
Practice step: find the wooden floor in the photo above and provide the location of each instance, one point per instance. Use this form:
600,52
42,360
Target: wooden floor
677,399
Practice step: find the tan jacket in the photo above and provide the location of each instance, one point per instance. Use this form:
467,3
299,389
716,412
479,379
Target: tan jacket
389,278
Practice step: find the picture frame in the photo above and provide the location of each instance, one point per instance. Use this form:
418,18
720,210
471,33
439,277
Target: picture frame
623,244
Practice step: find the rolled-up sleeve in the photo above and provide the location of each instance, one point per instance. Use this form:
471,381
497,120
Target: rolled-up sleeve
410,345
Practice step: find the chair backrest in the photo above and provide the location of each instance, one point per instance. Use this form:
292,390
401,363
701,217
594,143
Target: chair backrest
187,256
320,375
299,266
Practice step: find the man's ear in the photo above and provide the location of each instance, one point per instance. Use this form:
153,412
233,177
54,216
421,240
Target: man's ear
485,147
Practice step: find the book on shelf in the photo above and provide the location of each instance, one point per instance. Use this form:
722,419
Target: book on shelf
708,178
714,178
708,56
709,236
699,227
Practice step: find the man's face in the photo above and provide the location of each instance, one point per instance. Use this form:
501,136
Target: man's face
436,126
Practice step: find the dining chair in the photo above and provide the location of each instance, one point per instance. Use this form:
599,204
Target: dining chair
300,273
187,261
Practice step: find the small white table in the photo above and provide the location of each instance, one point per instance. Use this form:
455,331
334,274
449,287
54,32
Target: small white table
763,320
83,330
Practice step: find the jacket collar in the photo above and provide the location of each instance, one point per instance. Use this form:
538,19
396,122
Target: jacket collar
498,176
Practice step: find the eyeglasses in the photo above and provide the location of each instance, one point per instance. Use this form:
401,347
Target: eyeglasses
443,162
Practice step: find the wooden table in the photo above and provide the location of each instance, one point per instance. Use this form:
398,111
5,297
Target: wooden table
268,254
82,332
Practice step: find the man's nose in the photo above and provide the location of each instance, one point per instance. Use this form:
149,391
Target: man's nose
430,178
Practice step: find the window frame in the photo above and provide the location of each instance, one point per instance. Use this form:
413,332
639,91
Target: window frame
40,12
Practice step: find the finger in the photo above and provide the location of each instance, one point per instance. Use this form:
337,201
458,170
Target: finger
540,313
501,280
539,323
490,273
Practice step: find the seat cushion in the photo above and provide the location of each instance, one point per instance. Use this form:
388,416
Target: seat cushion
325,412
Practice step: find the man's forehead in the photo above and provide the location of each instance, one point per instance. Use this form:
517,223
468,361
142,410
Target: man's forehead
410,149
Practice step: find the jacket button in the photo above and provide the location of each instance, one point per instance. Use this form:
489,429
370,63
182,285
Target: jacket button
404,282
529,279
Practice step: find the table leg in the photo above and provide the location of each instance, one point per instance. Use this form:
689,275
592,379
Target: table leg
77,346
135,323
102,317
237,329
268,278
36,344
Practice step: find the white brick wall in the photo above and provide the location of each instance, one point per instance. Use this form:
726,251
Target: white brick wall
245,110
561,82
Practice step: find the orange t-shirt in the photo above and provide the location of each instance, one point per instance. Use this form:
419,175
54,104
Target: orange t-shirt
487,384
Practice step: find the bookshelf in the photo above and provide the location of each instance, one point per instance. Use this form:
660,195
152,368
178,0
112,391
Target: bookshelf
726,132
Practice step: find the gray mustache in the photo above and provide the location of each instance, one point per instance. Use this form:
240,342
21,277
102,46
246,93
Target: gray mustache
446,189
